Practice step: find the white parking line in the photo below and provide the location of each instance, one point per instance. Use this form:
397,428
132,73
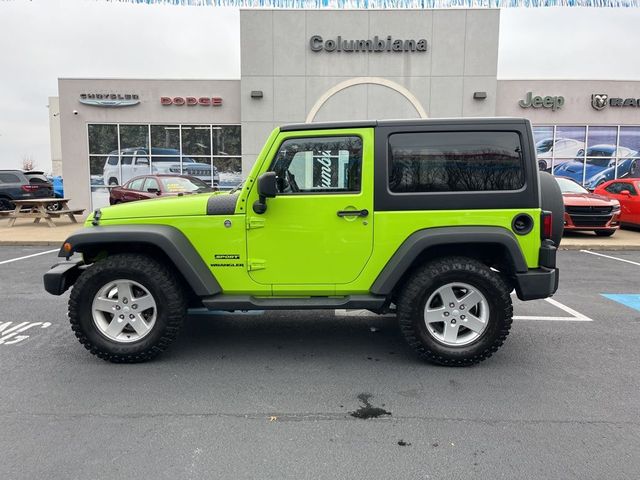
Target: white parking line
12,332
577,316
29,256
612,258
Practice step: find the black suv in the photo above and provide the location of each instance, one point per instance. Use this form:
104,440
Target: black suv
18,185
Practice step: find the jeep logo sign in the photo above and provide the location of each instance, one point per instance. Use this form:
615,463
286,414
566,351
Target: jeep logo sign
554,103
190,101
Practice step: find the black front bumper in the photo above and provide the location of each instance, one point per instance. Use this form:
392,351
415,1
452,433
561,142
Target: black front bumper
62,276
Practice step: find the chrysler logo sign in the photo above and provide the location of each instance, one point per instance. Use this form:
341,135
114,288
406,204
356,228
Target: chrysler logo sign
109,99
600,101
376,44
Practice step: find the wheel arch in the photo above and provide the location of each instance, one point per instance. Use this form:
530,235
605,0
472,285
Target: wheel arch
161,241
482,243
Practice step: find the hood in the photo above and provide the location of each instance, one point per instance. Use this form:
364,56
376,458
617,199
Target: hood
178,206
574,169
587,200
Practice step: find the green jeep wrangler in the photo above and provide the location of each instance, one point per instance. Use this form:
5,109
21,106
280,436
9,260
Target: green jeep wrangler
437,221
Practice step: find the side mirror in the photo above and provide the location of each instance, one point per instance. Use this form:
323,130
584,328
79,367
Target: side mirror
266,189
153,190
626,193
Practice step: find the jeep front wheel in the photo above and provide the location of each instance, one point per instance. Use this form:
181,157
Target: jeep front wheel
455,311
127,308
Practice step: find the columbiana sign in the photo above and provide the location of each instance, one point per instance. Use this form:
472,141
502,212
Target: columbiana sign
376,44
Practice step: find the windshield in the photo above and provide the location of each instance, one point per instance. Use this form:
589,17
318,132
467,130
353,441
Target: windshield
172,159
599,162
569,186
36,178
544,145
183,184
237,187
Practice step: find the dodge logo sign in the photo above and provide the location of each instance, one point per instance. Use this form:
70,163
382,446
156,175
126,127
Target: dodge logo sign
190,101
599,100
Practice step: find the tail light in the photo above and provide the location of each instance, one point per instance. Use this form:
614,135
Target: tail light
547,225
29,188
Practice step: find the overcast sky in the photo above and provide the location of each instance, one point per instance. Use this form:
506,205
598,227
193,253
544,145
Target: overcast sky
42,40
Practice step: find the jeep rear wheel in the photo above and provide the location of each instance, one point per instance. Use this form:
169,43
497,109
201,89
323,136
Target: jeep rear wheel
127,308
455,311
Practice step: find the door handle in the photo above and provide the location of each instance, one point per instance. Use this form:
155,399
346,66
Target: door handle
353,213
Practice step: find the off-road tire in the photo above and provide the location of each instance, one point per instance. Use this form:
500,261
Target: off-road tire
159,279
427,279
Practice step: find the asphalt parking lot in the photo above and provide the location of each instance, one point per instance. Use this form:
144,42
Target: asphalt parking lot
269,395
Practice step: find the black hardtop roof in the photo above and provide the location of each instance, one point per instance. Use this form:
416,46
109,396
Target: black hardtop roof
402,123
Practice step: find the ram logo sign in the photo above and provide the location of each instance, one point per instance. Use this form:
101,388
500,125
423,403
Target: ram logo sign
599,100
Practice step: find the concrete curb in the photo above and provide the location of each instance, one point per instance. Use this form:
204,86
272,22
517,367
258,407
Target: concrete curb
31,243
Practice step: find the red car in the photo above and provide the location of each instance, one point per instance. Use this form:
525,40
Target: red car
153,186
627,192
588,211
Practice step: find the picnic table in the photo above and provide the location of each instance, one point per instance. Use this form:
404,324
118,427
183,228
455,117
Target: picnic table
36,208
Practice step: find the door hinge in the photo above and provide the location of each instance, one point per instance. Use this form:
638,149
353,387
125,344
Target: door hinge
256,264
255,222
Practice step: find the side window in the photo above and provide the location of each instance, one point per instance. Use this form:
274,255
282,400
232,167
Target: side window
141,158
455,162
151,183
627,186
9,178
136,184
613,188
321,164
127,160
112,160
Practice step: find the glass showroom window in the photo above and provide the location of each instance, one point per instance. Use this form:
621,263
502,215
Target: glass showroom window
590,155
119,152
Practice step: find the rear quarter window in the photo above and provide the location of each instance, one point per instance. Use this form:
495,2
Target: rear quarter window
455,162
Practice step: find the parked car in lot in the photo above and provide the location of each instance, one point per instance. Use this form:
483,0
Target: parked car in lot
58,186
588,211
18,185
627,192
561,149
154,186
300,235
600,165
132,162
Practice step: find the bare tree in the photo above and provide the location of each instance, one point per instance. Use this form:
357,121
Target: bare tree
28,163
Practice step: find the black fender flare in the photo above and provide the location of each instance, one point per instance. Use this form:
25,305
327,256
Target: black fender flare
169,239
419,241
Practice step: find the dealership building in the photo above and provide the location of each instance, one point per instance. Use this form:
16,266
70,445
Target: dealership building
325,65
